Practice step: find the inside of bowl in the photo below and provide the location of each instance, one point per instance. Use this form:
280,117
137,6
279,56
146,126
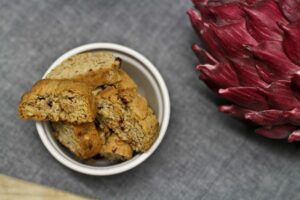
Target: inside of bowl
148,87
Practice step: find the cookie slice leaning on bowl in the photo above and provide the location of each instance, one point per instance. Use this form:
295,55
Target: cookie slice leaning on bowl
83,140
116,149
133,122
94,68
59,100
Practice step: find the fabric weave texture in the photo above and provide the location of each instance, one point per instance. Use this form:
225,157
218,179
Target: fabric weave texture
205,155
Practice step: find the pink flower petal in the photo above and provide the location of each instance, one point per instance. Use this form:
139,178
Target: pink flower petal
276,132
290,9
271,53
267,117
280,96
263,21
203,55
294,116
291,41
295,136
225,14
232,37
295,85
247,97
218,76
248,73
234,111
204,31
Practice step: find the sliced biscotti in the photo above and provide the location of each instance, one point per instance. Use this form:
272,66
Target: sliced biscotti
127,88
58,100
95,68
83,140
142,125
133,122
116,149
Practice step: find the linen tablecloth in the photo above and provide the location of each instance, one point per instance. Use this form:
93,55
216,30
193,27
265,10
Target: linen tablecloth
205,154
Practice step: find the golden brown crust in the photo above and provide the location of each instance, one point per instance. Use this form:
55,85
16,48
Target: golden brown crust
131,119
83,140
127,88
69,99
58,100
116,149
94,68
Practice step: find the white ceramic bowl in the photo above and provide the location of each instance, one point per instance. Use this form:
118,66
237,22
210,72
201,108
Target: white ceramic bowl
151,85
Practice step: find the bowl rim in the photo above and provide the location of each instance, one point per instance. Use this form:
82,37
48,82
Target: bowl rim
130,164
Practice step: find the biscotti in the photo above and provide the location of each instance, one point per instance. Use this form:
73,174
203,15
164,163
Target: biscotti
142,119
132,120
83,140
127,88
116,149
58,100
94,68
93,107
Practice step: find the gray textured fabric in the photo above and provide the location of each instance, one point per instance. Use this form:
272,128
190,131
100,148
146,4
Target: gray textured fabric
205,154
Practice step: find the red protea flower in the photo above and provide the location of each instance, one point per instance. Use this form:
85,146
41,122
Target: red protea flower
252,59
